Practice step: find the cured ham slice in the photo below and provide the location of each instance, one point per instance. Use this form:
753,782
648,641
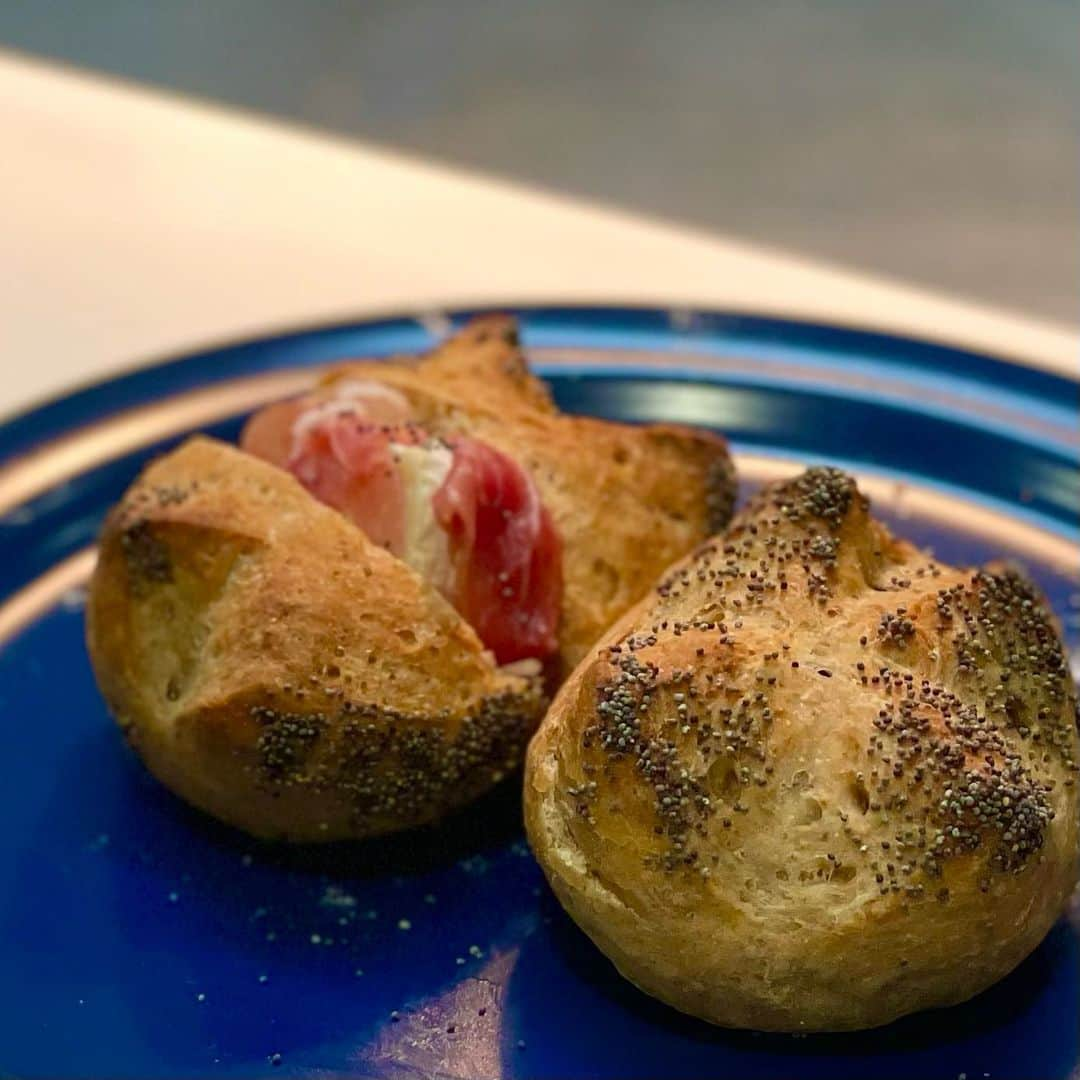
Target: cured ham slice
464,515
506,552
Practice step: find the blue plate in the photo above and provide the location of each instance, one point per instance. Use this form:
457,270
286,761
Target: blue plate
139,939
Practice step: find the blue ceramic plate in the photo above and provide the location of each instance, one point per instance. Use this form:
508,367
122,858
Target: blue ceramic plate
139,939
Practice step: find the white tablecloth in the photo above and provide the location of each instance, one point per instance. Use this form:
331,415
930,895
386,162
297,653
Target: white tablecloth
134,225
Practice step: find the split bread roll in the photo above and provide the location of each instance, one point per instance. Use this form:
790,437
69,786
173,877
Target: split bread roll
817,780
278,668
627,499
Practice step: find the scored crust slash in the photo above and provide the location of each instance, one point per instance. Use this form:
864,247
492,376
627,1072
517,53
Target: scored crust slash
347,625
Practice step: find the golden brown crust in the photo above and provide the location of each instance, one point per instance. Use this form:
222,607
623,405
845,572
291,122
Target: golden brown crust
627,500
278,670
817,780
281,672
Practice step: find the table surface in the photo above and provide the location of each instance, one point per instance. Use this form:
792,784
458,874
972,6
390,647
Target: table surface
931,142
138,225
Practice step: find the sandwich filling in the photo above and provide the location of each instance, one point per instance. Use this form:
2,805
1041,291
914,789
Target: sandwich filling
462,514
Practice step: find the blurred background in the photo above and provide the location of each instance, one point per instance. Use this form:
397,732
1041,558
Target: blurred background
927,140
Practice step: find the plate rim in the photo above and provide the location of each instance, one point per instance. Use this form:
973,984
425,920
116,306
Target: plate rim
693,322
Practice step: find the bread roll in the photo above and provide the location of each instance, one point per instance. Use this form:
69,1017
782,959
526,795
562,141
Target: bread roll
816,780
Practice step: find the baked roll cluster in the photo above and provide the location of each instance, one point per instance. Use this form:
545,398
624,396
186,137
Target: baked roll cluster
798,775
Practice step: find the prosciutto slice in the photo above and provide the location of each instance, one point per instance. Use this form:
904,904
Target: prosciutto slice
462,513
506,552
